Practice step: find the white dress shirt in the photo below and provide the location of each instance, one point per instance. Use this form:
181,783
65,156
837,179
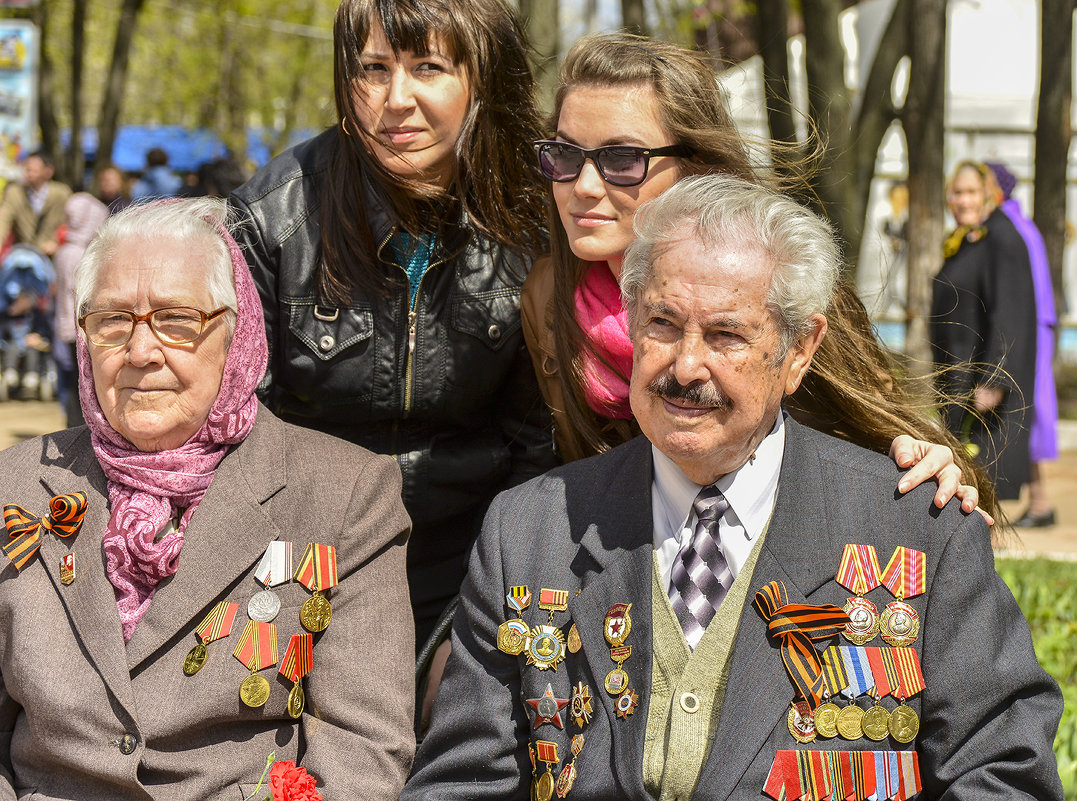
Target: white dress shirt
750,490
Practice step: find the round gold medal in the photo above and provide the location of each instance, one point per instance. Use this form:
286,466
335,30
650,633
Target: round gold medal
826,720
297,701
875,723
863,622
315,614
904,724
849,722
800,723
544,787
195,658
899,624
254,691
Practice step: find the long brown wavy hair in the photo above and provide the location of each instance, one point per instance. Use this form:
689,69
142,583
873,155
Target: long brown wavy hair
493,185
853,389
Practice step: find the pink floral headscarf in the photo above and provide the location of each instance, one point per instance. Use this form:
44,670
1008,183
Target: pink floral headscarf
146,490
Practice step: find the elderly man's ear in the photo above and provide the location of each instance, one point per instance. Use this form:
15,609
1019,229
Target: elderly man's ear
802,351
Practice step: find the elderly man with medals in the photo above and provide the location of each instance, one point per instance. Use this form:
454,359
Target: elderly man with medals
159,640
751,610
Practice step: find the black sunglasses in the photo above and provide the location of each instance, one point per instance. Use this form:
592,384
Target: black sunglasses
620,165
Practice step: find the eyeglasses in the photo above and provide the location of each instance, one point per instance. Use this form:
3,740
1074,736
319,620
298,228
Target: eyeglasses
176,325
620,165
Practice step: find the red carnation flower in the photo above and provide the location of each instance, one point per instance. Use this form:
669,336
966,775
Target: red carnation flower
290,783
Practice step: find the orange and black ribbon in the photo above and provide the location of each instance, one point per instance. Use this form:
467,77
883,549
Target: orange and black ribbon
64,519
794,626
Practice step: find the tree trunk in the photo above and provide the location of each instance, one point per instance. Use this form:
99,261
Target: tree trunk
231,123
114,86
76,160
923,119
1053,132
772,32
633,17
541,22
830,109
46,114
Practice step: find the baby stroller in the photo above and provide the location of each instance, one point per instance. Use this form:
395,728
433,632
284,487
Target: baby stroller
26,279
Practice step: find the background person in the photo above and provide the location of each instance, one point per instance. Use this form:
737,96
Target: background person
187,481
1043,434
33,211
389,257
983,330
112,189
157,181
616,90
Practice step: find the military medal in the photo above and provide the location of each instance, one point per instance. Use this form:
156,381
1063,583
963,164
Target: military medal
616,628
850,722
574,643
67,568
512,637
547,708
875,722
800,722
826,720
906,577
568,774
581,708
217,624
858,572
626,703
904,722
546,751
297,662
274,569
317,572
547,646
899,624
519,598
257,650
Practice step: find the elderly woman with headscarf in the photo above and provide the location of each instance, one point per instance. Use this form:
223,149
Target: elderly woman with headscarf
194,584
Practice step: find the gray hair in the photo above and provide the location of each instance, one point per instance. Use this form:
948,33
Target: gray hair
189,222
721,209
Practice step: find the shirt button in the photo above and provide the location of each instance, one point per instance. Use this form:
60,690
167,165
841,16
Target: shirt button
689,703
128,744
326,343
494,332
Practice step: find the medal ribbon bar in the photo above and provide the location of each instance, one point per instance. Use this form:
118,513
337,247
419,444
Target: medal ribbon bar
843,776
318,568
64,519
795,626
906,573
218,623
837,677
858,571
276,565
298,657
257,647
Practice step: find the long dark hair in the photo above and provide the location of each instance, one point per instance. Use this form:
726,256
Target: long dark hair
493,183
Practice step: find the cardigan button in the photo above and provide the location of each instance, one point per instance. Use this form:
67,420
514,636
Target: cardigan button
689,703
326,343
494,332
128,744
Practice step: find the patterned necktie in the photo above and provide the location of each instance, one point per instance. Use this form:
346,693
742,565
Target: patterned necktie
701,576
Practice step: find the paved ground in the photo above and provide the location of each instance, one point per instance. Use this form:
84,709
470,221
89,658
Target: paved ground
21,420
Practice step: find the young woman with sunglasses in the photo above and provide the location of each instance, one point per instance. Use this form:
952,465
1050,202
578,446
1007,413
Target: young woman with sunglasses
390,256
632,116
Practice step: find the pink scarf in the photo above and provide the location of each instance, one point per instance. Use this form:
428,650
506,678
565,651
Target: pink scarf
601,315
146,489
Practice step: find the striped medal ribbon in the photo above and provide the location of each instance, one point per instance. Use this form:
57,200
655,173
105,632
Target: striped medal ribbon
257,650
297,662
215,625
317,572
63,519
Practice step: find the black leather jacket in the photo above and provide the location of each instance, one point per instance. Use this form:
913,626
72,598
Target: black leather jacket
452,396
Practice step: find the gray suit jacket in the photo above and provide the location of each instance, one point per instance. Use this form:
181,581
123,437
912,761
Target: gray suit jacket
72,690
32,228
988,714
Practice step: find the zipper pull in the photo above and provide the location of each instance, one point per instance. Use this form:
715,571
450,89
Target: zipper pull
411,332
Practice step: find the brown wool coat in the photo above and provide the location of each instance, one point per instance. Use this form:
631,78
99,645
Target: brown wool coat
82,716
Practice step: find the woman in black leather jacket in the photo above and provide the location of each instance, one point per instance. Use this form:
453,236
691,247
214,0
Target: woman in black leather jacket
390,258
